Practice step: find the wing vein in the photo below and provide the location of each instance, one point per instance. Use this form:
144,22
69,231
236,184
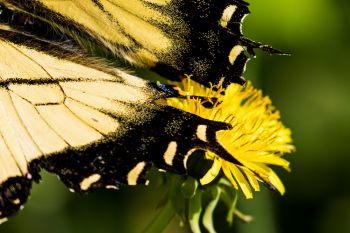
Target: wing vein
32,59
23,124
82,120
8,148
97,109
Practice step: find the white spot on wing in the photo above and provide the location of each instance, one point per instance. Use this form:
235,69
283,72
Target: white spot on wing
134,173
234,53
111,187
2,220
202,132
187,156
170,153
16,201
87,182
227,15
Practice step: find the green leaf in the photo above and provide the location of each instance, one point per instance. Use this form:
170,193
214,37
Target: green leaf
209,210
194,212
179,204
161,220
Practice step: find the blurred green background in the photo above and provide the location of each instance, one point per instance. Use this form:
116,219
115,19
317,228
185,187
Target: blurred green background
311,88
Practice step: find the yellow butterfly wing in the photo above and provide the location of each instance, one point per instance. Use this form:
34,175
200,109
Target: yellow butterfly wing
92,127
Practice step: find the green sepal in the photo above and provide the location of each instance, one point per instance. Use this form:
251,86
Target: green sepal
229,198
207,220
194,212
189,187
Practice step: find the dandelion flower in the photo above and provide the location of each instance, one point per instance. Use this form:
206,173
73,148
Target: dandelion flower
257,138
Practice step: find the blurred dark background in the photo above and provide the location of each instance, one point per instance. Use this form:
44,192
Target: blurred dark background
311,88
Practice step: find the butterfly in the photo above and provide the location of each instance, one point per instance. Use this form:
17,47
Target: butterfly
94,125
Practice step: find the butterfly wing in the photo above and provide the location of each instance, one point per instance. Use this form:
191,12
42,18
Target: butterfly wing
173,37
92,127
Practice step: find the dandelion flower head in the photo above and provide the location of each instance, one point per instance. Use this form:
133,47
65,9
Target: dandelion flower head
257,139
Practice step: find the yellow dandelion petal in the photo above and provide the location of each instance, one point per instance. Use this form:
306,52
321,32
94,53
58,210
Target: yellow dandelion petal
212,172
227,172
276,182
261,169
251,178
273,160
243,183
